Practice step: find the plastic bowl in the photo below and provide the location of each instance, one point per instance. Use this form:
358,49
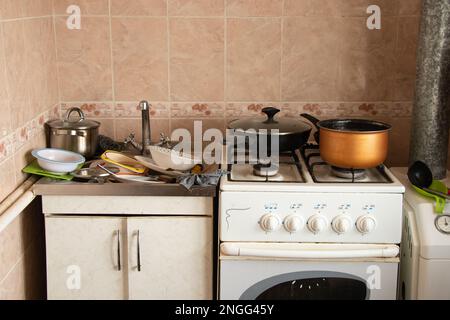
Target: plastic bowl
58,160
170,159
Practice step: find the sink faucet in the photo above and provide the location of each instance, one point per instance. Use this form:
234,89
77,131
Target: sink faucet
146,133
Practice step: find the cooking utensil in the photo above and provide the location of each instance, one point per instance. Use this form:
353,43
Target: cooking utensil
93,173
78,135
133,178
440,202
292,133
421,177
121,160
352,143
58,161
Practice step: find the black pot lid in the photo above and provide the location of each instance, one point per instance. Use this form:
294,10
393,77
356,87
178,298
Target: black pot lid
74,123
284,125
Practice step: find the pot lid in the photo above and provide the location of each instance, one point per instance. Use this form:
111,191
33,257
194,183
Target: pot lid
284,125
74,123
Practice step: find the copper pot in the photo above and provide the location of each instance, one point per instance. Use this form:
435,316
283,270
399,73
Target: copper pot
352,143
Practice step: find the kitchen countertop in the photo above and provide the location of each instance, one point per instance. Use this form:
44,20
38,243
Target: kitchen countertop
51,187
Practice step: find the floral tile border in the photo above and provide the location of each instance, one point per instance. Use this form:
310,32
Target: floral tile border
17,139
132,110
238,109
90,109
197,110
324,109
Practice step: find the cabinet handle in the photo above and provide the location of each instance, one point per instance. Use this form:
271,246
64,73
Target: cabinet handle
138,252
119,265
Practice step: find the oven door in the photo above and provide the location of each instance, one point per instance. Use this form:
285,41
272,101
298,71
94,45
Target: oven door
261,271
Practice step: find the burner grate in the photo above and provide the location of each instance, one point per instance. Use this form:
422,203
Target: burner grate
322,172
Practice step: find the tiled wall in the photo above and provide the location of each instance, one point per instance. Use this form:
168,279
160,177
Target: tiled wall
28,97
28,84
22,256
216,60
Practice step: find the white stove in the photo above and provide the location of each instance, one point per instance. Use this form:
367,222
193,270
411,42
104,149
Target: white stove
323,222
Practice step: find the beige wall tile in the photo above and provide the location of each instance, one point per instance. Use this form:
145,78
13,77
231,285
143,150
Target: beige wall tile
126,126
7,178
196,7
11,9
5,119
406,59
107,127
310,58
22,255
17,71
3,86
254,59
37,8
358,8
84,60
410,7
197,59
254,8
367,61
177,123
138,8
140,56
22,158
41,54
312,8
87,7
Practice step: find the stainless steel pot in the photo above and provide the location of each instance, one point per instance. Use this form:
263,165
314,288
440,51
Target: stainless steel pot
78,135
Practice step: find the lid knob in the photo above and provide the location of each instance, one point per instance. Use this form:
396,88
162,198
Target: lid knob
77,110
270,112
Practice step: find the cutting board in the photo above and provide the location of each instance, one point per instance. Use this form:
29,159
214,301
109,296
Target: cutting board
34,168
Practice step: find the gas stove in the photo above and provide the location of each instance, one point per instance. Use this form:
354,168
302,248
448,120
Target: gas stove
307,200
304,171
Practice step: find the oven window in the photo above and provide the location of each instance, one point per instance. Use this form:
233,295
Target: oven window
317,289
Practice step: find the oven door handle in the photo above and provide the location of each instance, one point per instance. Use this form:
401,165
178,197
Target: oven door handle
233,249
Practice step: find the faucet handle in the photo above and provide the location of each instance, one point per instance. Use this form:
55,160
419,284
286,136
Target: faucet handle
144,105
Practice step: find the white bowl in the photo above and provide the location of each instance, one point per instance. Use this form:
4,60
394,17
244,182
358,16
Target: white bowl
57,160
170,159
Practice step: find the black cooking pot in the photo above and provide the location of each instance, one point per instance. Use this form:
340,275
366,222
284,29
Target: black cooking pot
292,133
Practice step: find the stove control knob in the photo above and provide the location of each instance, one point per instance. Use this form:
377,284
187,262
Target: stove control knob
270,222
294,223
317,223
366,224
342,224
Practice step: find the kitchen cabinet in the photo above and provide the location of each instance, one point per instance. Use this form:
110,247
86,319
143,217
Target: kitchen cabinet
83,258
130,251
169,258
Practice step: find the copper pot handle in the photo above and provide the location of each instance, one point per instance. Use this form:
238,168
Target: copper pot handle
311,119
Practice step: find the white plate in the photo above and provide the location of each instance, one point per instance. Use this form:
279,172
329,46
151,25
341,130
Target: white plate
149,163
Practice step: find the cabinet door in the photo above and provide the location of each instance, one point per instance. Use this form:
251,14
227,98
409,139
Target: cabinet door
85,258
170,257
